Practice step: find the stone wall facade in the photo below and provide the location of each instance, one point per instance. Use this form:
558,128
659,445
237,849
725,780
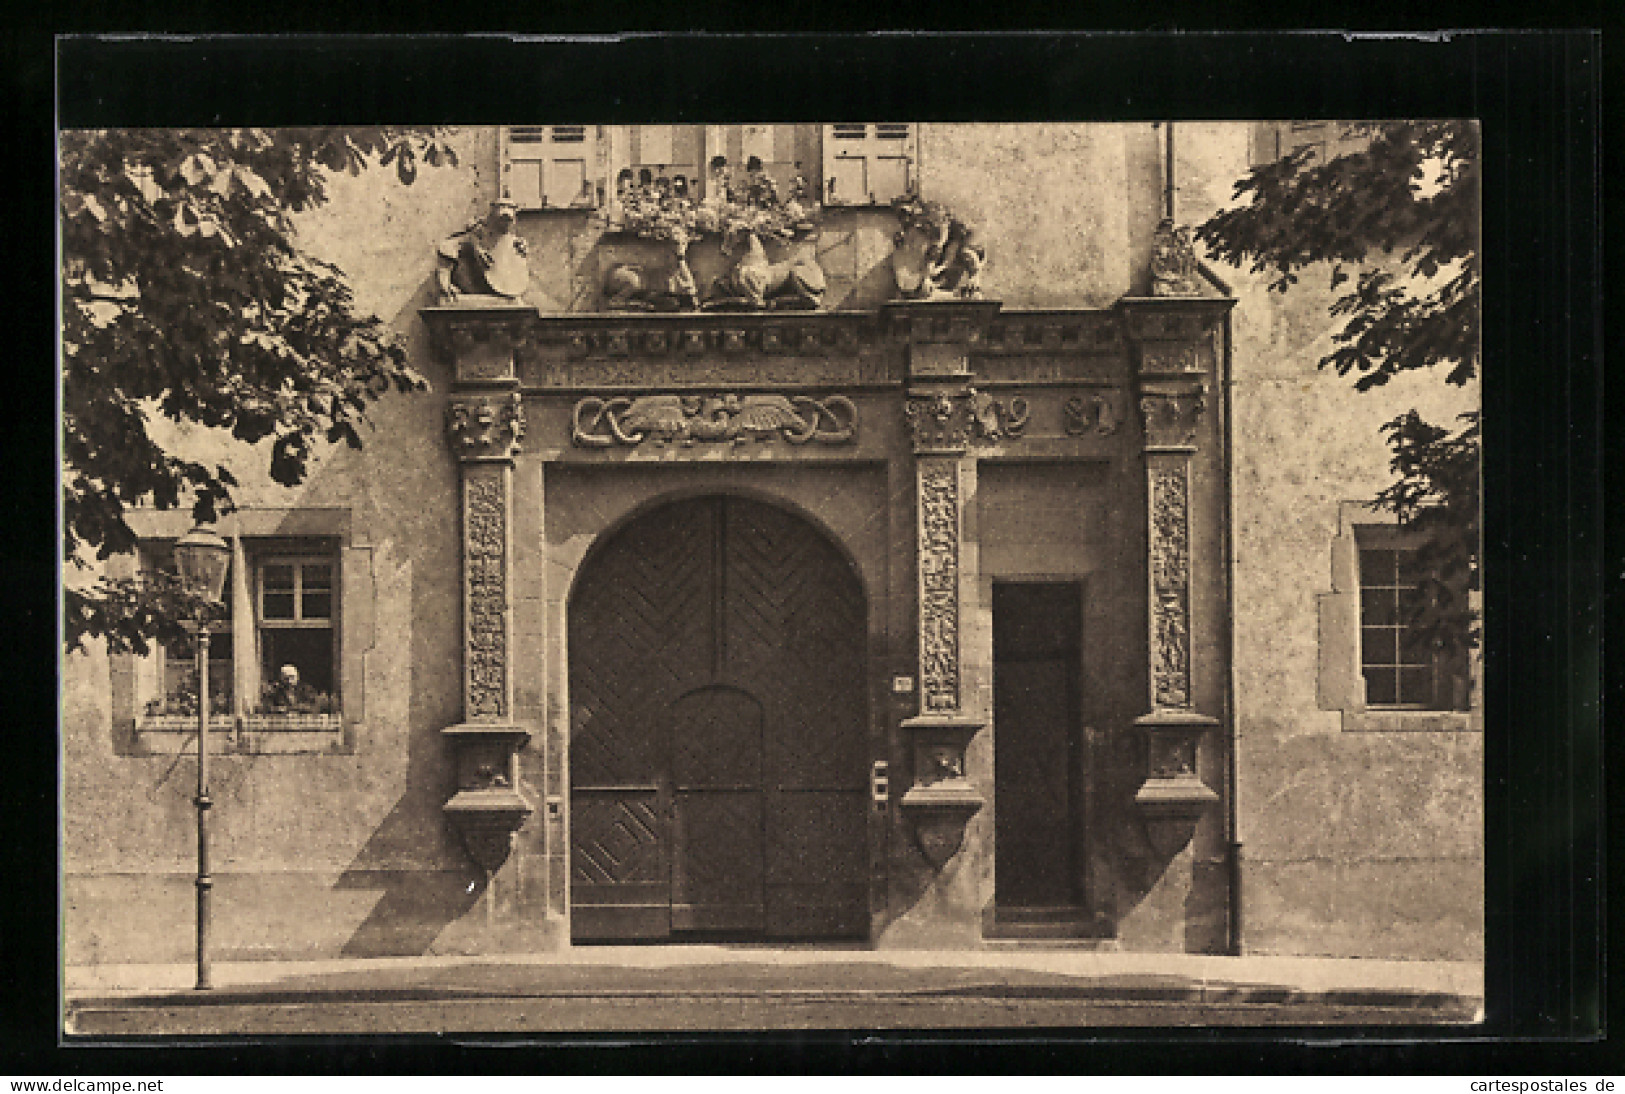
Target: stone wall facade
1179,460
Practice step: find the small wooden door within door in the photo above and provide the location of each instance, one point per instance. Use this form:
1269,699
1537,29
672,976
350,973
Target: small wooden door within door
718,753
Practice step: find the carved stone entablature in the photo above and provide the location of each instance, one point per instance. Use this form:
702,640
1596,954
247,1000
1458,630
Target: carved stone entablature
729,417
1097,412
995,418
480,343
1091,333
485,427
929,322
938,563
1171,418
1173,359
1170,587
939,421
1149,319
703,337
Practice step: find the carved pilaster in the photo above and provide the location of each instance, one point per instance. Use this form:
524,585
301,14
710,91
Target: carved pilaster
938,563
942,799
1173,353
484,431
487,683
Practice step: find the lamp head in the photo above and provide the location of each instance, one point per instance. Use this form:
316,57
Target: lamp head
202,558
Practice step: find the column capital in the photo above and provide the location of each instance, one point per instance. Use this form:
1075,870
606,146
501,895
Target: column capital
483,427
1171,416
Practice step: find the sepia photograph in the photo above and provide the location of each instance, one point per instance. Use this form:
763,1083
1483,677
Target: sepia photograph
573,577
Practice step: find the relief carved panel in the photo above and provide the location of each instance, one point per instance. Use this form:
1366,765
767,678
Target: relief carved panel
485,525
1170,587
938,562
485,427
718,418
1171,418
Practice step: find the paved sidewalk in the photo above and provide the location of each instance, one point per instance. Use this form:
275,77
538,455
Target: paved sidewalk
741,971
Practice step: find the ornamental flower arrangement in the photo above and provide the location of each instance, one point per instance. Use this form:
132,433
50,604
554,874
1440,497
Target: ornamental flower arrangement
667,209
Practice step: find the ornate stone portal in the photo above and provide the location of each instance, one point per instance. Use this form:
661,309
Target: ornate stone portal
484,431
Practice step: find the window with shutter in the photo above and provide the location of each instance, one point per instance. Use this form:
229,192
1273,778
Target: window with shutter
655,152
869,163
550,166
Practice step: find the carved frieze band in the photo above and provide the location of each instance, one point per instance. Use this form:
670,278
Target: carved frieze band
756,337
1171,418
939,506
725,418
1170,585
486,427
485,593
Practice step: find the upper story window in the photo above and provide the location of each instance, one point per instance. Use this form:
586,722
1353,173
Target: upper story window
550,166
1323,140
869,163
583,167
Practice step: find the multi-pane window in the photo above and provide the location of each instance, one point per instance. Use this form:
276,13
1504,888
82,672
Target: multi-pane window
179,671
1397,665
295,620
1404,665
281,613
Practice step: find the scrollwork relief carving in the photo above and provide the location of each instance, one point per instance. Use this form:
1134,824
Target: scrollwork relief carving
486,427
939,584
485,516
996,418
1170,588
726,418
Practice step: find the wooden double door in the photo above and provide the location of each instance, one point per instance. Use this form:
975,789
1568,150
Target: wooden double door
718,752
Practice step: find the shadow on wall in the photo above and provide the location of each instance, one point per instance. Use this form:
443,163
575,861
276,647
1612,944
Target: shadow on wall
411,859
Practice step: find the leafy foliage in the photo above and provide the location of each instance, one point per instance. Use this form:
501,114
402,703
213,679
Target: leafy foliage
186,295
1403,213
1397,221
1436,491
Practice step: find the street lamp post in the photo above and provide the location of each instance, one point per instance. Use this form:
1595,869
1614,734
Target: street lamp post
202,557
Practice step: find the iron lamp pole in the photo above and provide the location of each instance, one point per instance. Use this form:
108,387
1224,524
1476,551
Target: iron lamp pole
202,558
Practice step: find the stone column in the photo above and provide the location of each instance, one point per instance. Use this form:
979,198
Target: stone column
484,430
1173,346
941,798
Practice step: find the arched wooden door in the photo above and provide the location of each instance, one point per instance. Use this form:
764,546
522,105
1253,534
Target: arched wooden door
718,757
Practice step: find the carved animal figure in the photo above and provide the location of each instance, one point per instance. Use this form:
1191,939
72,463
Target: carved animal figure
663,417
753,281
629,287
